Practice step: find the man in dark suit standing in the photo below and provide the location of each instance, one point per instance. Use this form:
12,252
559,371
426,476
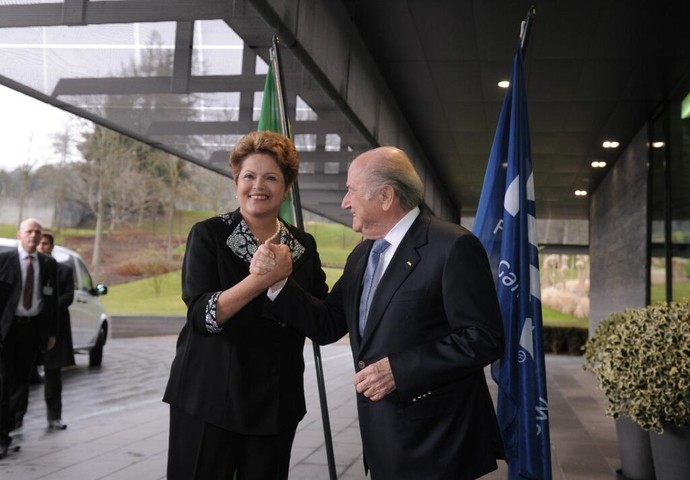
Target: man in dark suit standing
421,341
27,316
62,355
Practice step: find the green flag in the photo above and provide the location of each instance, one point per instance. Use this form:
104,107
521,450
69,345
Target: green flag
270,120
270,107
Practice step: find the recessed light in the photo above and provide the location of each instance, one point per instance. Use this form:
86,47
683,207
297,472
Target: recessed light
504,84
580,193
658,144
610,144
598,164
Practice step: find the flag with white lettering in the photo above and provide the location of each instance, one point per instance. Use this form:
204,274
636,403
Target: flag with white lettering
506,225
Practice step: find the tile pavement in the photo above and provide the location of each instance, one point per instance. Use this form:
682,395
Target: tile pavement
117,424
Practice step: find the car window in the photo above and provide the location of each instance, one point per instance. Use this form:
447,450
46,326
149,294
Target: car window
84,275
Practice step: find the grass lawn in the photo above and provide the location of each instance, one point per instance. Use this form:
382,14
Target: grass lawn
140,298
8,231
681,290
554,318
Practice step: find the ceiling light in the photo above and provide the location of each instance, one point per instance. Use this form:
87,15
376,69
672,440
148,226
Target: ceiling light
658,144
610,144
598,164
580,193
504,84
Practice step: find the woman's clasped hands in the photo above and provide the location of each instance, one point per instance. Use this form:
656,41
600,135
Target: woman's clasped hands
272,260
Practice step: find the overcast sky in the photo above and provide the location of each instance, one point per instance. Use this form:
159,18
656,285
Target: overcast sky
27,127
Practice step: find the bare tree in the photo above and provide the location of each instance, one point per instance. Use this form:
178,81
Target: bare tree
104,151
175,174
208,190
171,172
145,195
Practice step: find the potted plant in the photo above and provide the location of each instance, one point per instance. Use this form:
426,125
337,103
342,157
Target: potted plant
600,352
641,358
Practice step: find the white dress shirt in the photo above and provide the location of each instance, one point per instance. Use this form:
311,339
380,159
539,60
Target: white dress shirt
37,297
394,237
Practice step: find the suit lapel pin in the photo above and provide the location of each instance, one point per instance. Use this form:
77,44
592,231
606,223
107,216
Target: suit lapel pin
409,263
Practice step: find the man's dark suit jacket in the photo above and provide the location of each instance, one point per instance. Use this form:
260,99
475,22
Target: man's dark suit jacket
62,355
11,280
435,315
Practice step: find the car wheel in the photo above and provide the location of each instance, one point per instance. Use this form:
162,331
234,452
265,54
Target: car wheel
96,353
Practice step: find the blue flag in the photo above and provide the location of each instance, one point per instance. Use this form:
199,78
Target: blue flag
506,225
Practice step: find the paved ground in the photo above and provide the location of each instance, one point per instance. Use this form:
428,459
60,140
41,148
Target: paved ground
118,426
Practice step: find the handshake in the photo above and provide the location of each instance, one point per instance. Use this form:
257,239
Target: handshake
274,263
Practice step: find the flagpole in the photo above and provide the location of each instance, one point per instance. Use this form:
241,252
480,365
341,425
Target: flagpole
299,223
526,29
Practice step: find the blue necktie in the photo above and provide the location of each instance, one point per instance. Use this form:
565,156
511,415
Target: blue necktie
369,285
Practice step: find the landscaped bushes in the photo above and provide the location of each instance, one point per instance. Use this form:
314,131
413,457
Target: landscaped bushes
147,263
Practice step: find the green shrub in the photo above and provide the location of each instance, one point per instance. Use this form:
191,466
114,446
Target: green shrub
641,358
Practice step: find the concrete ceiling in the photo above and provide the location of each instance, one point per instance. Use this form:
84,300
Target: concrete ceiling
595,70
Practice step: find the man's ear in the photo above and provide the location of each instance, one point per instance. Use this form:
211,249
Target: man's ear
387,196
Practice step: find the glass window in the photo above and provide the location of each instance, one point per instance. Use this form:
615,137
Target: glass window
670,205
86,283
331,168
332,142
680,209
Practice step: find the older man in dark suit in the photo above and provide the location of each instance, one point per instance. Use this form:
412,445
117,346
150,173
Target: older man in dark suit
419,302
27,316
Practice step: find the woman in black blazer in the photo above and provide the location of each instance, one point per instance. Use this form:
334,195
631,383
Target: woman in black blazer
236,390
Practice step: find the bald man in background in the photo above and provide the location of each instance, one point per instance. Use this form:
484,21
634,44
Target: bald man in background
28,313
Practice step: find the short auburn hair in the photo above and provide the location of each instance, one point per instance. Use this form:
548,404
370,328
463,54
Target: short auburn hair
274,144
